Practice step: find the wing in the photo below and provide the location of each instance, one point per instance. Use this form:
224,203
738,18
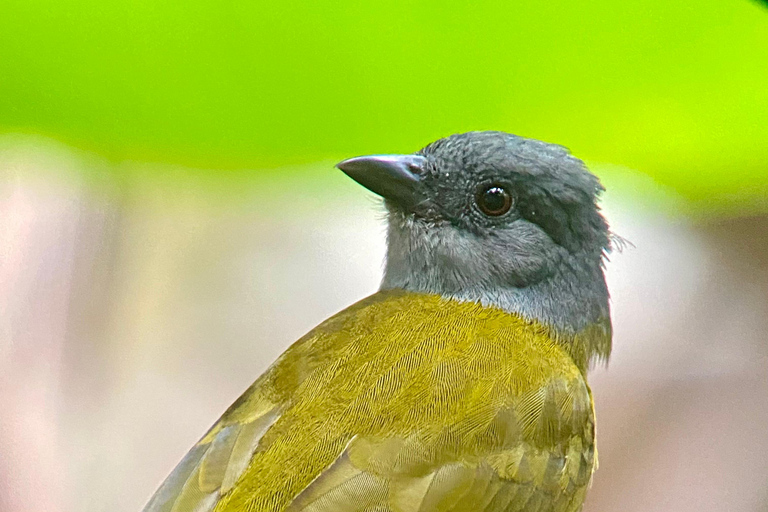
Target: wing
402,402
213,466
534,456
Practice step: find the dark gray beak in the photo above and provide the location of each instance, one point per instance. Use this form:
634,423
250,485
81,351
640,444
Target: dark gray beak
393,177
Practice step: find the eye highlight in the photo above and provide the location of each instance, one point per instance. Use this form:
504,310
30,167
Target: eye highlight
493,200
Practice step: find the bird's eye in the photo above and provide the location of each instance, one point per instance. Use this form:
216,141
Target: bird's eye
494,200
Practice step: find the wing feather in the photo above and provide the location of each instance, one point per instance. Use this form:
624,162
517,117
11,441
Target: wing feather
487,415
245,446
212,467
520,473
192,498
165,496
342,487
214,464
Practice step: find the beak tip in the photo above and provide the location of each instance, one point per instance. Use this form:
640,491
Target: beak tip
393,177
346,165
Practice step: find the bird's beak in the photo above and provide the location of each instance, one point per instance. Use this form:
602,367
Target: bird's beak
393,177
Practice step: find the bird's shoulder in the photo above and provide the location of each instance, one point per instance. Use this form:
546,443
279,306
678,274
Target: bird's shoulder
401,397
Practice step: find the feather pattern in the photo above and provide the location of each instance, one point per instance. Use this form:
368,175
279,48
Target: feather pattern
212,467
404,403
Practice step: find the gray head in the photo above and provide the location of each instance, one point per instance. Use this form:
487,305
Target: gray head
500,220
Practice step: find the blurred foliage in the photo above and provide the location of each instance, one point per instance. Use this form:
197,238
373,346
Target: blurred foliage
678,90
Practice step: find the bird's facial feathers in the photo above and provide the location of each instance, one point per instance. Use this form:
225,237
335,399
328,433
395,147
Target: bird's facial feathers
487,182
497,219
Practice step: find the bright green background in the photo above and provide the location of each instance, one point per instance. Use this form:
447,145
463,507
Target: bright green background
675,89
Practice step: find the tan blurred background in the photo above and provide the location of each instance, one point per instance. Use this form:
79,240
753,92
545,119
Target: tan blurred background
133,312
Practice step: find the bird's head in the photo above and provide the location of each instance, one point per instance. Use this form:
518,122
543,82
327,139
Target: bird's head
497,219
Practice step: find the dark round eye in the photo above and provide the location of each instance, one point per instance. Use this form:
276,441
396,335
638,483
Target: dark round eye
494,200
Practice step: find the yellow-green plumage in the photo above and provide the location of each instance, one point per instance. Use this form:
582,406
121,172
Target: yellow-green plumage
461,387
403,402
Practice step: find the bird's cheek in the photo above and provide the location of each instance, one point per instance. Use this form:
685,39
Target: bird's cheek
522,260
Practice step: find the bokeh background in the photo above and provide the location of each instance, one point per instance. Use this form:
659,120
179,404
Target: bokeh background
170,219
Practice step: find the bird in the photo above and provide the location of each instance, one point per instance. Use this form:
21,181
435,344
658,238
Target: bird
461,384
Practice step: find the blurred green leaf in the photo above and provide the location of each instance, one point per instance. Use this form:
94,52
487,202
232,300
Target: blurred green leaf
678,90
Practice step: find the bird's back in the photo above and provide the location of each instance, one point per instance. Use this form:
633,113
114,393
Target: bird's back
402,402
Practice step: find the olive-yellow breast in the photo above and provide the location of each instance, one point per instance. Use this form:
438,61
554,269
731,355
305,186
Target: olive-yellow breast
460,385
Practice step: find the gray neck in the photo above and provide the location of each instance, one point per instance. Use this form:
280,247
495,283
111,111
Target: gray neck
571,300
562,301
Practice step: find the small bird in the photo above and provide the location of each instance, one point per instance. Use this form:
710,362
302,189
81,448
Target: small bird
461,384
